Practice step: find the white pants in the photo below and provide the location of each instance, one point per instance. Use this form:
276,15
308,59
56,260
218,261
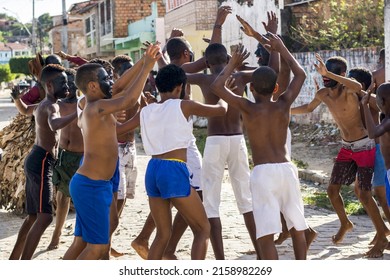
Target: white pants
220,150
127,170
275,189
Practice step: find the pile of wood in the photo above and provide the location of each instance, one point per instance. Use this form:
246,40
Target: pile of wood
16,141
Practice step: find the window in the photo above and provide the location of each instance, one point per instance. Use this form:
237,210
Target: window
90,31
105,17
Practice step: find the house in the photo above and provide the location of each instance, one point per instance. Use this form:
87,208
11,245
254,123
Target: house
150,28
10,50
103,22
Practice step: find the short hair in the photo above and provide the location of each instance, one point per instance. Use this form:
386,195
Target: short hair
176,46
119,60
264,80
340,62
170,77
52,59
49,72
362,75
105,63
216,54
70,72
86,73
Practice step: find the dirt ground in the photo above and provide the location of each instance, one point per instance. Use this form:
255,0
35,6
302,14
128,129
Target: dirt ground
315,145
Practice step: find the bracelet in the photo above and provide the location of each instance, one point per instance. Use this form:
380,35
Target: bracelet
218,26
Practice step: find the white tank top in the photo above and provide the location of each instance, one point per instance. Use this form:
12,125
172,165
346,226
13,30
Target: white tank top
164,127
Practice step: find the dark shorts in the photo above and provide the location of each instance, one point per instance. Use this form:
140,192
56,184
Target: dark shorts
355,160
38,168
167,179
92,200
66,166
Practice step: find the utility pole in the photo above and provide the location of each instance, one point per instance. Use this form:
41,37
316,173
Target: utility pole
33,36
387,39
64,31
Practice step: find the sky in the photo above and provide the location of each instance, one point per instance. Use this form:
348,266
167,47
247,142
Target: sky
23,9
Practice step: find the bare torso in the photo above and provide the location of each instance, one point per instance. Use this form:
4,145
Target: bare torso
229,124
45,137
71,138
100,143
345,109
378,77
266,125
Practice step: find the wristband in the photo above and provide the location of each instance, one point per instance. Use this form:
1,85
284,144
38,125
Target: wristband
218,26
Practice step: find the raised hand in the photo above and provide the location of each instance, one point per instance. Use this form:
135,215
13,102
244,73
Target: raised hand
272,25
246,27
121,116
16,93
320,67
272,42
152,53
239,55
176,32
62,55
222,13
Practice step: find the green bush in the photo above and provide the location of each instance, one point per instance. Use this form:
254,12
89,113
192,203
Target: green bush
20,65
5,73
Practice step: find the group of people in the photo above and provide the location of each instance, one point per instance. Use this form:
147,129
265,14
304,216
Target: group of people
85,146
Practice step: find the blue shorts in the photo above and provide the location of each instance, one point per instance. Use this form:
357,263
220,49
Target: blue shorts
115,178
387,187
167,179
92,200
379,169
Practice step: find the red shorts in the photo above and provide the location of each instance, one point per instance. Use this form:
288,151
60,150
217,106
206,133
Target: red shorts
355,160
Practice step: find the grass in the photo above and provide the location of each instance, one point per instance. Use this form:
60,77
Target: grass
318,198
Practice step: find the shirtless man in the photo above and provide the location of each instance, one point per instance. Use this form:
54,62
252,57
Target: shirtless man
70,152
225,143
378,76
39,163
274,180
91,186
357,155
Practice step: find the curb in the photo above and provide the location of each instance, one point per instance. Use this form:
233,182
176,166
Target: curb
313,176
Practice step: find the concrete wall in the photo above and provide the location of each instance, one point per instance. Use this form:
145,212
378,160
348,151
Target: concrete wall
364,57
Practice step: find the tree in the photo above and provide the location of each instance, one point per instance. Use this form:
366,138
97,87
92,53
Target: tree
349,24
5,73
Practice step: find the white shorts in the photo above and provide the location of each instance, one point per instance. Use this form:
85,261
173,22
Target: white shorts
275,189
218,151
127,170
194,164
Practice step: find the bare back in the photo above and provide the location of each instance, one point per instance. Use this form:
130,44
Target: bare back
266,125
378,77
71,138
345,109
100,143
229,124
45,137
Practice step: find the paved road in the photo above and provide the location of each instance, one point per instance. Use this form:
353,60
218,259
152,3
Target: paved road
236,240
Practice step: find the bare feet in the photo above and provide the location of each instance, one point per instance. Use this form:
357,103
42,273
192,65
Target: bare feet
282,237
310,235
377,250
53,244
142,248
342,231
115,253
387,232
